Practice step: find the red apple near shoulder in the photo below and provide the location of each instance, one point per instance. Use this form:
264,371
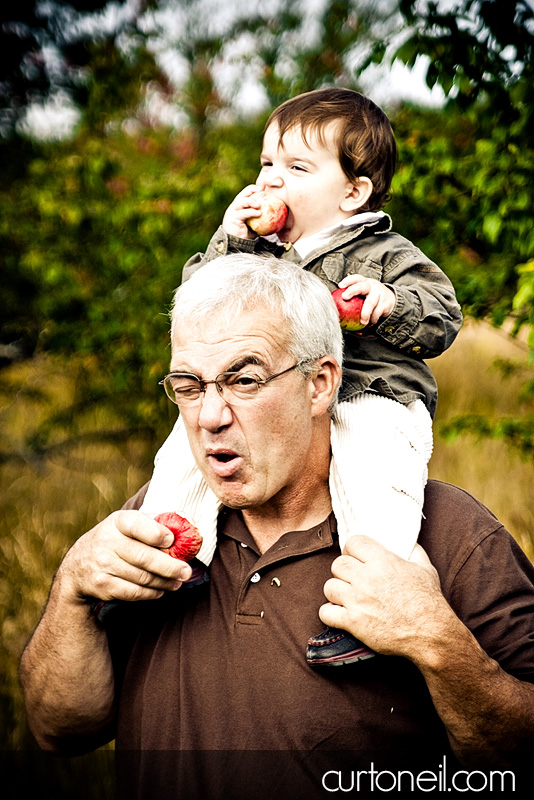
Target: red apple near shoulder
187,539
273,215
349,311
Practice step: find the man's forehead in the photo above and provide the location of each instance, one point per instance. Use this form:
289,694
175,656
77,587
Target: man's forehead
256,336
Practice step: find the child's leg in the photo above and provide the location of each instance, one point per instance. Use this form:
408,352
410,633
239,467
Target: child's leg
378,472
177,485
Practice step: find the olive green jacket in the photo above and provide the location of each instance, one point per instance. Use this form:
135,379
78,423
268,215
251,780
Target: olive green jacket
389,358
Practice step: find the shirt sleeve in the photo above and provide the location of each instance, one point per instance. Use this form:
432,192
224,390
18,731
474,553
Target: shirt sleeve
426,317
221,244
485,576
500,610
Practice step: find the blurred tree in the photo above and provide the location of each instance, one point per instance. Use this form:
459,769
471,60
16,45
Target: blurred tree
96,234
465,188
477,50
49,47
108,219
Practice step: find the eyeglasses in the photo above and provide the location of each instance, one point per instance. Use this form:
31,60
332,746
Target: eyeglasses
185,389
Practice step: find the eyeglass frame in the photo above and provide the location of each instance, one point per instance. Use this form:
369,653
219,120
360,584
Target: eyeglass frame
220,388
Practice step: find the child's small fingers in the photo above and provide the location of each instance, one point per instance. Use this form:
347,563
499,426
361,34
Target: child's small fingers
352,280
367,311
354,291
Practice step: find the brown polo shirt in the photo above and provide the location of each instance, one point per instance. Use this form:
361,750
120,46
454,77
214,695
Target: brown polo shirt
221,668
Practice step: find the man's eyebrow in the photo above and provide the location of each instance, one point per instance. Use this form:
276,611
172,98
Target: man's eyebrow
245,361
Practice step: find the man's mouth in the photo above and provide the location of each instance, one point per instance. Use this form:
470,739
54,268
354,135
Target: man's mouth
224,463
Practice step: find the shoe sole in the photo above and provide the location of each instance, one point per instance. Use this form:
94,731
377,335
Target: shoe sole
346,658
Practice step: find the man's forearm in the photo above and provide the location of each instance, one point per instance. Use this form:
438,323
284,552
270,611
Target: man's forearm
67,676
66,669
397,608
487,712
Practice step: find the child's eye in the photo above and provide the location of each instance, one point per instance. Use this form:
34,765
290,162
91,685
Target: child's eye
298,168
264,164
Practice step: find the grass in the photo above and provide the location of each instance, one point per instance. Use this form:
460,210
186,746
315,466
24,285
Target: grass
46,504
469,383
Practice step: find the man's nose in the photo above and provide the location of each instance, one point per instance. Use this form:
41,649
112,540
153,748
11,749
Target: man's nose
214,411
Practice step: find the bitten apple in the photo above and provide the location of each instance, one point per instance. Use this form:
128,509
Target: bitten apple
273,215
349,311
187,539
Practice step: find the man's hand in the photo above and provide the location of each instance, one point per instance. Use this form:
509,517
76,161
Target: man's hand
242,207
121,559
66,668
379,298
395,606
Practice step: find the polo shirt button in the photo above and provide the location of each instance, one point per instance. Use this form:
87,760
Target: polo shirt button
255,578
243,544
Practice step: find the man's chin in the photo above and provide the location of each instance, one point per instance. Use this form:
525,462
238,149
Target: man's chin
229,492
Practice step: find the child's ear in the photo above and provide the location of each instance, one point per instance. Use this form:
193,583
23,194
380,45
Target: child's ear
357,195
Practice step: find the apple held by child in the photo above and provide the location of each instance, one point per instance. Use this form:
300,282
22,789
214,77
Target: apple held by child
273,214
349,311
187,539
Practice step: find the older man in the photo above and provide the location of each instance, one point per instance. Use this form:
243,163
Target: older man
218,671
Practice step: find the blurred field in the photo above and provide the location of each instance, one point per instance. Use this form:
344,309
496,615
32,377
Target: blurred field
469,383
45,504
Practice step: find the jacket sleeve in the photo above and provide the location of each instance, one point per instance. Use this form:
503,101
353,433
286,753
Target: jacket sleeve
221,244
427,317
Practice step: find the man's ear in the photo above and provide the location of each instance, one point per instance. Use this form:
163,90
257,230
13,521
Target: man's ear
357,195
325,382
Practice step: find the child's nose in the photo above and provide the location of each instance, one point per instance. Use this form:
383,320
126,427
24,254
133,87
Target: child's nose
272,177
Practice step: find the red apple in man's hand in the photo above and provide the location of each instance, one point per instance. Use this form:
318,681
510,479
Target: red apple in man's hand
349,311
187,539
273,215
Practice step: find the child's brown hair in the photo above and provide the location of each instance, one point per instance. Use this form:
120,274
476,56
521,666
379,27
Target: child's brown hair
365,141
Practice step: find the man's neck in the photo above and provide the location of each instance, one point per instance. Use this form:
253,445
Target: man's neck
288,513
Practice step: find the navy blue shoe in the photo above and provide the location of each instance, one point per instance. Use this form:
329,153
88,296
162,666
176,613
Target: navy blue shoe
334,647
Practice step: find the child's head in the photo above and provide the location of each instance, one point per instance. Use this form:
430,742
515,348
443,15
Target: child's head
363,135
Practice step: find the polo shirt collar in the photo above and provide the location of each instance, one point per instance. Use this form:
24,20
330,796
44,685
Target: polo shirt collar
289,545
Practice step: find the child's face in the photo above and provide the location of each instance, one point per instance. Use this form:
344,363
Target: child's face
308,178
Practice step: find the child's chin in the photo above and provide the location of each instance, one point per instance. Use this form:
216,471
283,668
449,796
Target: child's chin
284,235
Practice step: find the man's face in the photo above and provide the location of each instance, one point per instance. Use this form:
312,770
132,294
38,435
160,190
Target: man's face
257,452
308,178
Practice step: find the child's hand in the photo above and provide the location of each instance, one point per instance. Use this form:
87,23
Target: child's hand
379,300
242,207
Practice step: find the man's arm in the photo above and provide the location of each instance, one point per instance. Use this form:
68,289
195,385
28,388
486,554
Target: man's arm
66,670
397,608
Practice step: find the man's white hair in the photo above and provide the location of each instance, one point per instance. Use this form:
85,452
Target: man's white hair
242,282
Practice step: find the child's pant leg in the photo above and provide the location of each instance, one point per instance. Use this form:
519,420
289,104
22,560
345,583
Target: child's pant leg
177,485
378,470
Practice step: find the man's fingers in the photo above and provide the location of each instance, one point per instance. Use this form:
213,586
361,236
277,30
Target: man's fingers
333,616
139,527
121,559
363,547
337,591
418,556
141,547
131,582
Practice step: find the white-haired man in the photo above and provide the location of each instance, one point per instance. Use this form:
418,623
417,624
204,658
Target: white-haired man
216,673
